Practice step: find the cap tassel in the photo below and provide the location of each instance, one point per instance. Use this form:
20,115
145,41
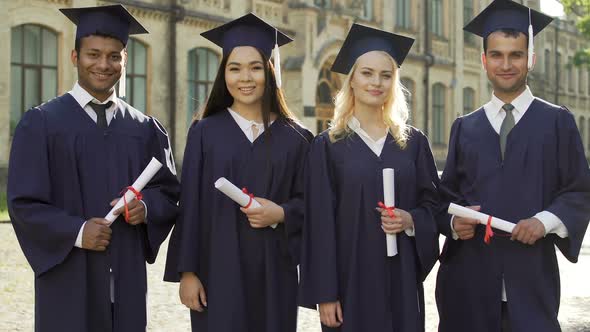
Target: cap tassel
277,61
531,50
122,82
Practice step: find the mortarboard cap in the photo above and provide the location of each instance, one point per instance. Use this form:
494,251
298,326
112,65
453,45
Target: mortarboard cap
250,30
507,14
362,39
112,20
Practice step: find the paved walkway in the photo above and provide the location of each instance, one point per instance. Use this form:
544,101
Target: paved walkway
167,314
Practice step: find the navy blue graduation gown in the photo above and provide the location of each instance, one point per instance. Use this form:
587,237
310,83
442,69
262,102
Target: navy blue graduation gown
544,169
249,274
344,253
64,170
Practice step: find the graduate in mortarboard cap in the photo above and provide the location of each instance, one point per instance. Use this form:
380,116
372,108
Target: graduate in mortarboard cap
345,268
521,159
70,159
237,271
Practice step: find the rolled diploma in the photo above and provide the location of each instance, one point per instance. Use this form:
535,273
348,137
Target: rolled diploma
236,194
460,211
389,200
148,173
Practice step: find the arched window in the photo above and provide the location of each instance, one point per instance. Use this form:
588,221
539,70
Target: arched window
136,89
408,83
328,86
570,74
203,64
468,100
33,69
438,113
547,65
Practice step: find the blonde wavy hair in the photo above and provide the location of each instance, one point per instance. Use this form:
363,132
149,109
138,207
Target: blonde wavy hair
395,109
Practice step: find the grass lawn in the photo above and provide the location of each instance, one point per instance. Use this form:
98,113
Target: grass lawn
4,215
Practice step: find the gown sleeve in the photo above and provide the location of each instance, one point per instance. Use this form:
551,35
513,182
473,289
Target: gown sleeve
46,233
424,215
571,203
161,193
318,269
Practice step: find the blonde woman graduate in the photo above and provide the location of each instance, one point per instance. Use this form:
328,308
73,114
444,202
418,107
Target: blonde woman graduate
346,270
236,265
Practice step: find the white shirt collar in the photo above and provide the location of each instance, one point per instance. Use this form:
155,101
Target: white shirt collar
375,146
520,103
244,123
83,98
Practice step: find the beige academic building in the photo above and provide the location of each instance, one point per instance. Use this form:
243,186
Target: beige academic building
171,69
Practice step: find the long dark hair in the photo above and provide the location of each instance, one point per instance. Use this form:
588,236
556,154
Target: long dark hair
273,99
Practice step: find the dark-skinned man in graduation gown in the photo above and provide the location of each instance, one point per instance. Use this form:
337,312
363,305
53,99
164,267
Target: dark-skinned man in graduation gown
70,159
521,159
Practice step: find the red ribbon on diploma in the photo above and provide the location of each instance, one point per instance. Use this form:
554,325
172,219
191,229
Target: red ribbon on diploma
138,196
389,209
489,232
245,191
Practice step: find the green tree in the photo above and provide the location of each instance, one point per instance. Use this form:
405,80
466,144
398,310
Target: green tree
580,9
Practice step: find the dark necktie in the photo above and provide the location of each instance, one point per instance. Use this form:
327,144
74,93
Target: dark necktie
101,113
506,127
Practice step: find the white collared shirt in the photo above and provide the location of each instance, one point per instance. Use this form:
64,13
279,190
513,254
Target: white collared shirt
496,115
246,125
84,98
375,145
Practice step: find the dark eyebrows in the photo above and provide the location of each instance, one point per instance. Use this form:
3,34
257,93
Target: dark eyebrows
251,63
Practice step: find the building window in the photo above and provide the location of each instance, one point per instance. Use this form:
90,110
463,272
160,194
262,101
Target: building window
136,88
570,74
468,37
468,100
410,90
33,69
436,18
580,81
202,69
582,125
403,14
558,74
547,65
368,9
323,3
438,113
328,85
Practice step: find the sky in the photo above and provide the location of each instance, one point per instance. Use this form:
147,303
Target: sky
552,7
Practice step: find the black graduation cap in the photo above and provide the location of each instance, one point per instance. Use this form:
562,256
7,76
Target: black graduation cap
113,20
507,14
248,30
362,39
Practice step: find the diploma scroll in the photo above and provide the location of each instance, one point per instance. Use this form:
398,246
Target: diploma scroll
236,194
389,201
148,173
497,223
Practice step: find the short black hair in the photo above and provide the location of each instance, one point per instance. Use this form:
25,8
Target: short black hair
507,33
78,41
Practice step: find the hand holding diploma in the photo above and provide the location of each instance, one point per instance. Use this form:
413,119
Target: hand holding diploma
267,214
389,206
482,218
148,173
528,231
